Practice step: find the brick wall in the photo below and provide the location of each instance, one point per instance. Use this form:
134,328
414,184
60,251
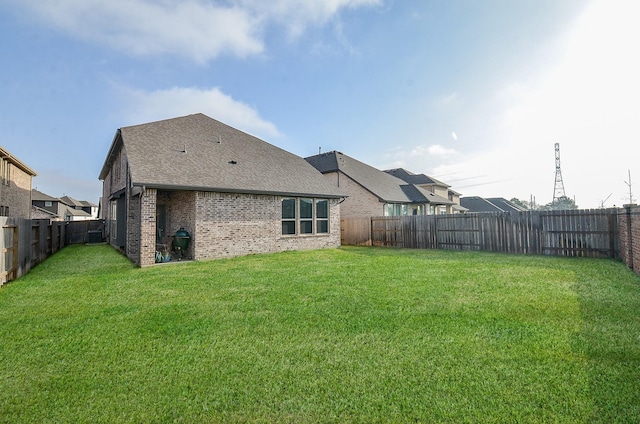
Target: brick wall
360,201
132,244
181,213
147,222
629,231
16,195
241,224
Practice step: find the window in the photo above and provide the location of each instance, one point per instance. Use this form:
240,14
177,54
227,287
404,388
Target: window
322,216
305,216
288,216
397,209
48,203
5,171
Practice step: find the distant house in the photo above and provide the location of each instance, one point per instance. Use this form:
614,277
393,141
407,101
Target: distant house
15,186
60,209
432,185
491,204
81,205
225,192
372,192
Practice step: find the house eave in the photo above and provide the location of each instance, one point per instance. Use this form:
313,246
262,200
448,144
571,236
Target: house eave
17,162
107,162
170,187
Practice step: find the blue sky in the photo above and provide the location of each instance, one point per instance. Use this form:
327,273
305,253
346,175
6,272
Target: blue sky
474,93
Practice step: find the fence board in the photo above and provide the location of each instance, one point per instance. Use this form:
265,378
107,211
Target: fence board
25,243
586,233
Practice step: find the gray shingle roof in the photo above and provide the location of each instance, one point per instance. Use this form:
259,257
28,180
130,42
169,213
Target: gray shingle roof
385,186
493,204
411,178
420,195
42,197
199,153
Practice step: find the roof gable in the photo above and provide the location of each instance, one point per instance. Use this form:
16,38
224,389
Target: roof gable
197,152
386,187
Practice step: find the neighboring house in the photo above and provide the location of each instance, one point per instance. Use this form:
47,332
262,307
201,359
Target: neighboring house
233,193
89,208
432,185
492,204
15,186
372,192
59,209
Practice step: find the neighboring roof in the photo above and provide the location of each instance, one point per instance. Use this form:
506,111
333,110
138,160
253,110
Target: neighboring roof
75,212
385,186
411,178
44,211
196,152
39,196
17,162
459,208
88,204
505,204
493,204
76,203
419,195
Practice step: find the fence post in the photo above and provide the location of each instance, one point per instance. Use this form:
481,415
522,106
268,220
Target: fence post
629,236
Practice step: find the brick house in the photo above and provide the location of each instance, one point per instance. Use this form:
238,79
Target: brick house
60,209
233,193
15,186
372,192
434,186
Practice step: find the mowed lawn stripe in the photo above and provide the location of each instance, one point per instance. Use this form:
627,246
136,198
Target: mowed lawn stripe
339,335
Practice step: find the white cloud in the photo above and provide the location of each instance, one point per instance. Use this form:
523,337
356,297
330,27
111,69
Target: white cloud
297,15
200,30
433,150
147,106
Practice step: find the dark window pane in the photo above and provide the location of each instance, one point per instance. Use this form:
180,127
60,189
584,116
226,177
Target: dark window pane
322,209
306,208
288,208
322,226
306,227
288,227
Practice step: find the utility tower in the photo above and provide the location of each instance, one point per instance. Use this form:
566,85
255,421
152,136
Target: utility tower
558,187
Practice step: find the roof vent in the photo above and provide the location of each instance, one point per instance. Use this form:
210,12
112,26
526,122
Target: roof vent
233,162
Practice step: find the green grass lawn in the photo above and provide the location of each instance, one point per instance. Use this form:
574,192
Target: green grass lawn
345,335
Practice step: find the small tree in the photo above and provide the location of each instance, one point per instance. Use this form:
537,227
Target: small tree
560,204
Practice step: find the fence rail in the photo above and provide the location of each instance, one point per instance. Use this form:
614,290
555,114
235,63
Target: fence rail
589,233
26,243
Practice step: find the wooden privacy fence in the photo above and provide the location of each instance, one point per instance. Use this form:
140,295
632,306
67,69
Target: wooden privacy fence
590,233
26,243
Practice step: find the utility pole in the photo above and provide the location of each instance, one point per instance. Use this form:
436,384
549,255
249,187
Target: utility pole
629,185
558,186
